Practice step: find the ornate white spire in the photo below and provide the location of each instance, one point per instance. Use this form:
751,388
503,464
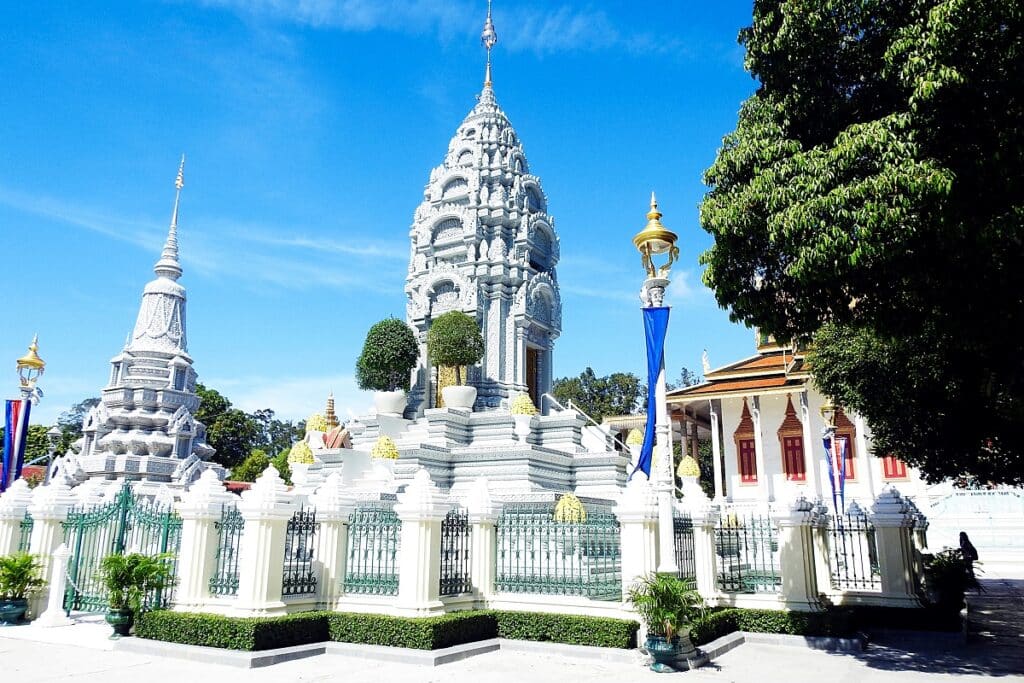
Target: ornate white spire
168,265
489,38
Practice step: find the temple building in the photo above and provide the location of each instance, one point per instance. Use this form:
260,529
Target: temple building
762,415
143,427
483,243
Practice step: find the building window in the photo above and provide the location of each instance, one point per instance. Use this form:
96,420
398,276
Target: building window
793,458
748,461
893,468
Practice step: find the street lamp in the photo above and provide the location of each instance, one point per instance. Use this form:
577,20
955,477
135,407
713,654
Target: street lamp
30,369
654,241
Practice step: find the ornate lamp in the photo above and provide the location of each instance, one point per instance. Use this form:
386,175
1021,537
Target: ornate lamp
828,414
654,240
30,367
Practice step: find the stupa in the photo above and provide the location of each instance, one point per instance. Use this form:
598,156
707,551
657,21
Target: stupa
144,426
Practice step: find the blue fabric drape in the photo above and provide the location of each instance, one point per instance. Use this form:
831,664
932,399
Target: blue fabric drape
655,328
15,433
836,472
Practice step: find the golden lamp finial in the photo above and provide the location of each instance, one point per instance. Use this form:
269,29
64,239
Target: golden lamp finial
656,239
31,366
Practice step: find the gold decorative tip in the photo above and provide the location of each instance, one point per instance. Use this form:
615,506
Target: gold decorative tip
654,215
31,359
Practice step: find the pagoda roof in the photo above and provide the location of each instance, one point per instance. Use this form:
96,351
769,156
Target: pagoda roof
771,371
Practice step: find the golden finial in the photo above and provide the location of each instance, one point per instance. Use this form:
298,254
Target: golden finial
32,359
654,215
329,416
654,239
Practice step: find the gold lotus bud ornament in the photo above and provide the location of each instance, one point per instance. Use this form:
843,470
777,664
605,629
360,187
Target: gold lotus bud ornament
654,240
31,366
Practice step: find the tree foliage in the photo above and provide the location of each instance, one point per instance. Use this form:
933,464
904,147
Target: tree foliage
869,200
454,340
619,393
389,355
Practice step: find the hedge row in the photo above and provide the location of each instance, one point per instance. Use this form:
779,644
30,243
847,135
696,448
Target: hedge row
423,633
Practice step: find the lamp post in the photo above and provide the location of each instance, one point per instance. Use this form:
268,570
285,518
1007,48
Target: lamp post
16,414
30,369
655,240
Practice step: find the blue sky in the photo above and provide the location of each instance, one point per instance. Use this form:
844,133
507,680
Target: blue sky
310,130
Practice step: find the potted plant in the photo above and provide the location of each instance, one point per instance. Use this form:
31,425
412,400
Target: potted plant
667,607
522,410
454,340
20,575
385,366
128,578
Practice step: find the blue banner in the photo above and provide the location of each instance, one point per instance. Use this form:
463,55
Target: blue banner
15,433
836,470
655,328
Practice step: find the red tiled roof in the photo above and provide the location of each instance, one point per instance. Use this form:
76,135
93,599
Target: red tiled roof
739,384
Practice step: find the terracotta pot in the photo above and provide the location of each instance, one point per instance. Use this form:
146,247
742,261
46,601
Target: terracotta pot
459,397
390,402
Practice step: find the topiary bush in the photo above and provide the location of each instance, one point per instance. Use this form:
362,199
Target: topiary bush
567,628
389,355
454,340
233,633
835,622
424,633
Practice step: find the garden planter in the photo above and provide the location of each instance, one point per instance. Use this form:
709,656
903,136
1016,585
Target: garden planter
663,652
459,397
11,611
121,621
522,429
390,402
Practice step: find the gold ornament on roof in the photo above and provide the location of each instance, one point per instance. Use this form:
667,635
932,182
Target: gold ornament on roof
569,509
656,239
329,416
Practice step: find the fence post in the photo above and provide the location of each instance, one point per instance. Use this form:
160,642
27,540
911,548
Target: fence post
13,506
49,509
55,614
637,512
820,522
200,508
266,509
796,556
483,515
333,506
421,507
705,519
893,521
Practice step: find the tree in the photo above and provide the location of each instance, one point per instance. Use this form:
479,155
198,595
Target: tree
454,340
252,467
389,355
70,422
869,202
687,378
274,435
616,394
233,433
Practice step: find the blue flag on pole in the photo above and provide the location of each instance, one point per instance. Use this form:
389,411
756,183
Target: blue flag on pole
835,457
655,328
15,433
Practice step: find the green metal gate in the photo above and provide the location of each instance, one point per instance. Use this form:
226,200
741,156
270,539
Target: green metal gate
129,524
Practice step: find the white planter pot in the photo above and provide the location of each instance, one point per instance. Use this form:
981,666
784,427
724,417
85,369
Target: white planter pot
459,397
522,426
390,402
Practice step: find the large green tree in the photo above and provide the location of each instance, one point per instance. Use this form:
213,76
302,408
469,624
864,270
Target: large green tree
231,431
619,393
870,201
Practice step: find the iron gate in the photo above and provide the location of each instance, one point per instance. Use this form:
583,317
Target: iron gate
128,524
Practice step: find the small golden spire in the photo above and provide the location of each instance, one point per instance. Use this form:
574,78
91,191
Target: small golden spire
329,415
655,239
654,215
32,359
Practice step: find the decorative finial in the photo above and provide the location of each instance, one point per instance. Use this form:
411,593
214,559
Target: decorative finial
654,214
168,265
489,38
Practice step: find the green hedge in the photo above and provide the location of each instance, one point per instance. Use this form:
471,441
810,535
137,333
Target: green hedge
234,633
423,633
565,628
717,624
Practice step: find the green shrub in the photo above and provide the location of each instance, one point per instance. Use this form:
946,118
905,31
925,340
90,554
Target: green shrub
566,628
454,340
714,625
389,355
234,633
423,633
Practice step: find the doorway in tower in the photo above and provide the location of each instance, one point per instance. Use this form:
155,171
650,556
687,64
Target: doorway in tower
532,374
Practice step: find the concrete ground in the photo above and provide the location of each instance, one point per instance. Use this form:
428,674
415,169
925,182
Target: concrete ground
995,650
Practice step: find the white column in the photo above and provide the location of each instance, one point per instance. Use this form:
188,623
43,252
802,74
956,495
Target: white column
49,509
820,547
716,451
664,480
200,509
704,518
637,512
796,556
866,464
334,505
13,506
764,481
55,615
483,515
421,507
811,456
893,522
266,509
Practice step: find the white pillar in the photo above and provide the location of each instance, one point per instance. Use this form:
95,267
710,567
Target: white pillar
13,506
716,450
200,509
811,456
796,556
55,615
637,512
334,505
704,518
49,509
421,507
820,546
483,515
893,521
266,509
764,481
664,481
